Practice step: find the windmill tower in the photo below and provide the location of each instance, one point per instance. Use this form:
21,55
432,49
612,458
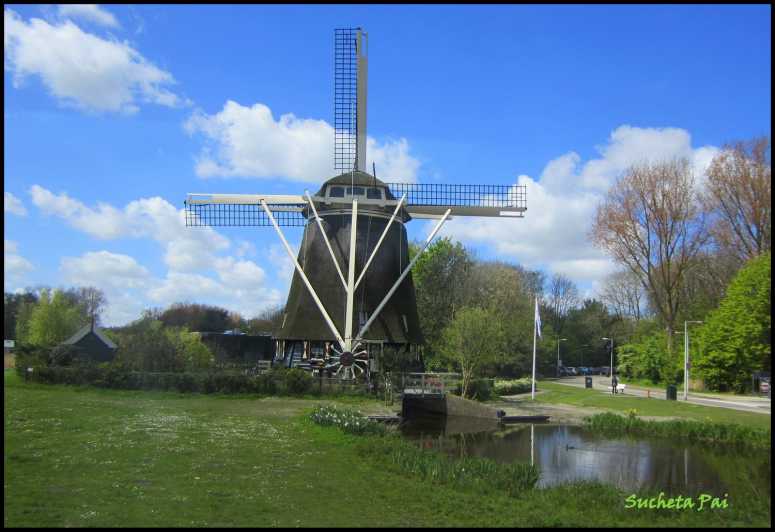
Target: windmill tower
352,286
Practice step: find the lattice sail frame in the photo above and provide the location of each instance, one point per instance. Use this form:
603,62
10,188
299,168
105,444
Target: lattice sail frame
350,71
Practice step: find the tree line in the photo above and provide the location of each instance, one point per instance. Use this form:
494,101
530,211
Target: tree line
686,248
687,251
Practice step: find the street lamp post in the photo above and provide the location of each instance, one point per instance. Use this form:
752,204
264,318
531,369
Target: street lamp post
686,358
612,359
558,354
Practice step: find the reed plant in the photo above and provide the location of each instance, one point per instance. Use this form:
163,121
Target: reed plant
707,432
479,474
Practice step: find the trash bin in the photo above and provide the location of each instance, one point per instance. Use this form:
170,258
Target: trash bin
672,392
587,382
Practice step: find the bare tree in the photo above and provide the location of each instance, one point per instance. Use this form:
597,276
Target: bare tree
269,320
739,193
623,293
563,296
93,301
651,222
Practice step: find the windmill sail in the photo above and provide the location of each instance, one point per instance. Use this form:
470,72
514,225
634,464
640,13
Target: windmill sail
350,69
424,200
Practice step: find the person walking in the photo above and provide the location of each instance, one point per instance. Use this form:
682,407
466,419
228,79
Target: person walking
614,384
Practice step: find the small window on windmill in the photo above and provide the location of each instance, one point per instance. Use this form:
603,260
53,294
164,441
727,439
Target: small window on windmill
363,317
406,325
336,192
373,193
355,191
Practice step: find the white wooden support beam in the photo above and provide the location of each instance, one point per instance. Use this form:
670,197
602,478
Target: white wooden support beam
328,243
384,233
401,278
348,324
304,277
243,199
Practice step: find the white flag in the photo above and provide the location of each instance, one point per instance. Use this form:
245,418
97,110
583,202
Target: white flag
538,320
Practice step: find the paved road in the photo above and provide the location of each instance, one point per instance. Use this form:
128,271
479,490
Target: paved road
761,405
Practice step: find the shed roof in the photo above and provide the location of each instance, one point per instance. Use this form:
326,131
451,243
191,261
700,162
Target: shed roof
86,329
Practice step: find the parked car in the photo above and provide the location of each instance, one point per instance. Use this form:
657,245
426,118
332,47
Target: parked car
606,371
572,371
584,370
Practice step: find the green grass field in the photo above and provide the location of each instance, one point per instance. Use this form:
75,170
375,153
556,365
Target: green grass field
91,457
571,395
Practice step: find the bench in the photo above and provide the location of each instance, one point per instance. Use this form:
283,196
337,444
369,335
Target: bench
619,388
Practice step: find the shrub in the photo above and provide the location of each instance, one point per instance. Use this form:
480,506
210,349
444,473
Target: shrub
512,387
112,375
297,381
29,356
65,355
478,389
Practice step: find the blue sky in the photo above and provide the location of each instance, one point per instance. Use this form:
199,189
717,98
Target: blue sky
114,113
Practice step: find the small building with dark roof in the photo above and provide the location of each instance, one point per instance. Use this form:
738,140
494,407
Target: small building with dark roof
93,344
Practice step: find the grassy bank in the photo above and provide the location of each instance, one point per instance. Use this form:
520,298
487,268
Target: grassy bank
97,457
729,434
563,394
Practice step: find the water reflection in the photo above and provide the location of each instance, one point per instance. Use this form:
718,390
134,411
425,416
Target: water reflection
564,453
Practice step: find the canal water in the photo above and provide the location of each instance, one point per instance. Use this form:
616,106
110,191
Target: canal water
564,453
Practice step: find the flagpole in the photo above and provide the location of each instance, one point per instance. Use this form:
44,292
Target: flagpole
535,330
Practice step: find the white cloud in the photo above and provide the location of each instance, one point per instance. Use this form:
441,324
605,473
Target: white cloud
186,248
15,267
13,205
245,248
196,272
561,205
248,142
239,274
119,276
130,288
104,269
392,159
282,263
90,12
229,292
81,69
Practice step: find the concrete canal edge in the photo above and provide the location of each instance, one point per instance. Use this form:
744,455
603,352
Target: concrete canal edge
446,405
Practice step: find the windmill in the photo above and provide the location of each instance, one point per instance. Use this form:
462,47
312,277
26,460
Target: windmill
352,287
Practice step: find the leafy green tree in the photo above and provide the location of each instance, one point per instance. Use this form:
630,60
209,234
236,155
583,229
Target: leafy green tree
194,354
22,319
144,345
440,276
471,340
12,306
736,337
53,319
649,358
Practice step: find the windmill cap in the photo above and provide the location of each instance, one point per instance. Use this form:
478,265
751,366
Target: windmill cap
356,178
